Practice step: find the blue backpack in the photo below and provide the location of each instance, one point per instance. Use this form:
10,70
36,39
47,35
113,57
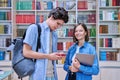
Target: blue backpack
21,65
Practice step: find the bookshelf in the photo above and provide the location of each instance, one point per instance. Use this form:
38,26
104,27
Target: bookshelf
6,33
108,35
102,18
6,17
64,34
24,15
86,13
109,30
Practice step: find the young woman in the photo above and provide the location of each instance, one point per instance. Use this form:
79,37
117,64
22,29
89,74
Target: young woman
75,69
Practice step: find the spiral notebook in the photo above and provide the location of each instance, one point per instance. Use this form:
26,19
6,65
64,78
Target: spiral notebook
85,59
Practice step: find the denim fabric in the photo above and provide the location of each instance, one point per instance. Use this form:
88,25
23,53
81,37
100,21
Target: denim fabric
85,72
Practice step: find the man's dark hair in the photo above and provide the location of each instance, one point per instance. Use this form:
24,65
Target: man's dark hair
59,13
86,30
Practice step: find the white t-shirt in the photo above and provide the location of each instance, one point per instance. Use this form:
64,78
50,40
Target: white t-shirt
77,51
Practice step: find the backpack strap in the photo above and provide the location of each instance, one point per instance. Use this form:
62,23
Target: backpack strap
24,34
38,40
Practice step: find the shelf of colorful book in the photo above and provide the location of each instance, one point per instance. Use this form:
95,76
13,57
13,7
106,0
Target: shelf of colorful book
24,4
60,62
109,42
86,10
25,18
108,64
65,39
109,7
49,4
109,48
5,55
109,34
5,63
5,21
5,3
22,25
70,24
109,20
109,14
68,38
109,3
86,17
109,55
6,35
5,16
59,65
5,8
47,11
25,11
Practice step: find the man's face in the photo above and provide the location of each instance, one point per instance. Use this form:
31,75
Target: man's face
55,24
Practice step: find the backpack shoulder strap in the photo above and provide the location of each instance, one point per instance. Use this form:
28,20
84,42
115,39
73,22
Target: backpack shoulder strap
38,40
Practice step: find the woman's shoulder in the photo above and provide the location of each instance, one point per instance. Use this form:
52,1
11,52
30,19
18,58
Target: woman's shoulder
87,44
72,46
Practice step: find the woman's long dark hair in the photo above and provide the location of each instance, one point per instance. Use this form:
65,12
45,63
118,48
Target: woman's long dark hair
86,30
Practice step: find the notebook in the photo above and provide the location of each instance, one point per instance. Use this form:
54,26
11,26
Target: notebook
85,59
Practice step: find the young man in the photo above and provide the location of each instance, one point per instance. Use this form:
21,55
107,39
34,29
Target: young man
45,68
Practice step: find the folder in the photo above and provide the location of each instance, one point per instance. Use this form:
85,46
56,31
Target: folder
85,59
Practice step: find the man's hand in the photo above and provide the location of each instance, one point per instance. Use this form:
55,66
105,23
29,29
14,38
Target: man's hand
54,56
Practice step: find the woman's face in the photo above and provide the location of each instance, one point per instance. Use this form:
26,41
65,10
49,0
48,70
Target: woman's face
80,33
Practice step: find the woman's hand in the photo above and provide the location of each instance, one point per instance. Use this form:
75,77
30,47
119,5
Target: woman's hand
73,69
76,63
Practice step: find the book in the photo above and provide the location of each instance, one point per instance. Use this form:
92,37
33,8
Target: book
85,59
